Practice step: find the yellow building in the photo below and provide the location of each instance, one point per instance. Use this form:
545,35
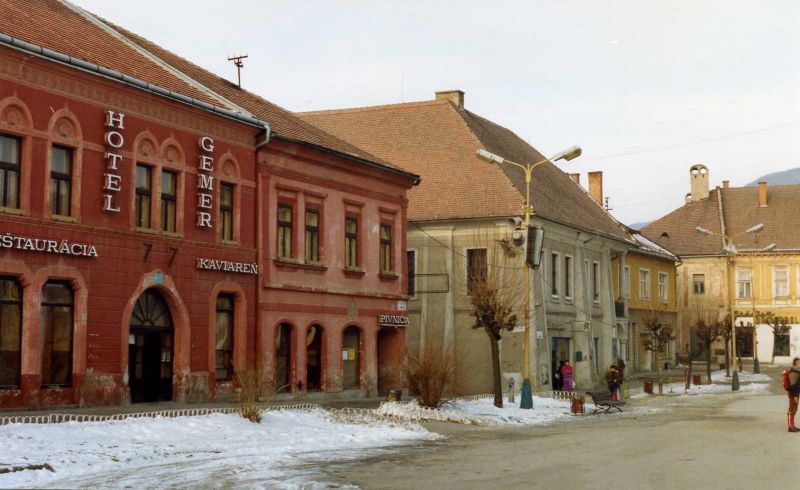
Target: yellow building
740,254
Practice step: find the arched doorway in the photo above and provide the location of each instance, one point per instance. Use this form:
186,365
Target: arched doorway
314,358
150,349
351,358
283,358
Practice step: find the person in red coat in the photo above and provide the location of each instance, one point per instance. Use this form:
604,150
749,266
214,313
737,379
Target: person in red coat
794,394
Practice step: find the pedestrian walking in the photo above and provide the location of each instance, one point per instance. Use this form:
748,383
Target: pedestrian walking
566,376
621,368
792,385
612,380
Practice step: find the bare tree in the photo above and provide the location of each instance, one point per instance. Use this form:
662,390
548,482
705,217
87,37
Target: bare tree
660,336
493,313
726,334
707,332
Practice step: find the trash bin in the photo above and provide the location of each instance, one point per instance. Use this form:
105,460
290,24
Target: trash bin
721,366
648,387
696,379
577,406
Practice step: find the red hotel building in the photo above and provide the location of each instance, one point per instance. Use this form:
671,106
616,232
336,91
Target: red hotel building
162,230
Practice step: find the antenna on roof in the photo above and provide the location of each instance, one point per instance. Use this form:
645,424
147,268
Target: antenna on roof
237,60
606,206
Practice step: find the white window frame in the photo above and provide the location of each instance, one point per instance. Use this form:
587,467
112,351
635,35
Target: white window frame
555,274
775,269
644,291
663,286
701,274
626,282
569,277
741,282
596,280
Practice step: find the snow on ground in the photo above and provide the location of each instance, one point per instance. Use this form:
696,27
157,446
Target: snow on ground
748,382
218,450
481,412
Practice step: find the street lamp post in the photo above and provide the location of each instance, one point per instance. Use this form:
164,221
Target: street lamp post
732,251
526,396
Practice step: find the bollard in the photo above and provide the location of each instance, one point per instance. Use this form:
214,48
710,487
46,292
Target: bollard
510,390
735,382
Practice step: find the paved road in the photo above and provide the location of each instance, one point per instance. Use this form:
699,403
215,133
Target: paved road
723,442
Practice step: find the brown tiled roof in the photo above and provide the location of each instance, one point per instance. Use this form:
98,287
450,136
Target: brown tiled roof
677,231
72,31
438,140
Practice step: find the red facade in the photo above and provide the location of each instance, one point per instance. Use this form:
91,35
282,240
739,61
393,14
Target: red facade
156,305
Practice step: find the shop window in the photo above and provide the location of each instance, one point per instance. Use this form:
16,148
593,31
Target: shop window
56,340
144,184
9,171
351,242
283,358
169,201
60,181
386,248
10,333
781,347
312,236
351,357
477,268
411,260
224,337
285,230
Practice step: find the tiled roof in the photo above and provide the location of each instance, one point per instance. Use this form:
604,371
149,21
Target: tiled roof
677,231
438,140
67,29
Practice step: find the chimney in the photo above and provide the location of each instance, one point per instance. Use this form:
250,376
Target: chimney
596,186
454,96
762,194
726,184
698,175
576,178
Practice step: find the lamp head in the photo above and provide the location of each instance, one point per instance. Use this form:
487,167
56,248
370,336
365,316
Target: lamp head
704,231
755,229
568,154
490,157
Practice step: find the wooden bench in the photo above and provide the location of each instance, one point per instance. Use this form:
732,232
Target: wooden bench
602,401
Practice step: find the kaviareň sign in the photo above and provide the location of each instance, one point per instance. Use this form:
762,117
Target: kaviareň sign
226,266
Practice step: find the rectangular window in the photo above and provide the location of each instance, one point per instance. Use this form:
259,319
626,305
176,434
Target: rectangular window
411,267
144,184
477,268
9,171
226,211
351,242
555,272
595,282
285,230
644,284
224,337
386,248
780,281
312,236
169,201
626,282
663,286
699,283
60,180
56,341
10,333
568,274
744,283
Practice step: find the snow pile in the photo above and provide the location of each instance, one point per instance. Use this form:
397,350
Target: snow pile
189,451
744,377
481,412
749,382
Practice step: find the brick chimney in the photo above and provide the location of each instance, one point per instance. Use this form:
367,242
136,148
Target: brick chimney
576,178
596,186
726,184
762,194
454,96
698,175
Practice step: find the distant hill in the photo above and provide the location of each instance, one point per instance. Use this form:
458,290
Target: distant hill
784,177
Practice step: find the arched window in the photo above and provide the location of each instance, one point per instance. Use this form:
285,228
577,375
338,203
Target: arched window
283,358
224,336
351,357
314,367
10,149
10,333
57,327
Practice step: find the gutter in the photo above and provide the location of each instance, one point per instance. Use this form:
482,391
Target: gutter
50,55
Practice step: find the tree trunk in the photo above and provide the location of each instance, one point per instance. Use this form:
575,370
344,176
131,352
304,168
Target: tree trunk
727,358
708,362
496,379
774,345
689,371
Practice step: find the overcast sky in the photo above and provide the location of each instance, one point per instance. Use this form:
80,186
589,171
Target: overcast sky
622,78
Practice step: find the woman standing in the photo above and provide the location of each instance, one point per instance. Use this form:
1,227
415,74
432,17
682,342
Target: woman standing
566,376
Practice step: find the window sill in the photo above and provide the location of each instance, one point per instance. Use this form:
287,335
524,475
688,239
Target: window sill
149,231
66,219
172,234
296,264
354,271
389,276
231,243
56,387
16,211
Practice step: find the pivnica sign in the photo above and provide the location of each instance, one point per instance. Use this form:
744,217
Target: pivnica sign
392,320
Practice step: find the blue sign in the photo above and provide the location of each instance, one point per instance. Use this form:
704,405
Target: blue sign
158,277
